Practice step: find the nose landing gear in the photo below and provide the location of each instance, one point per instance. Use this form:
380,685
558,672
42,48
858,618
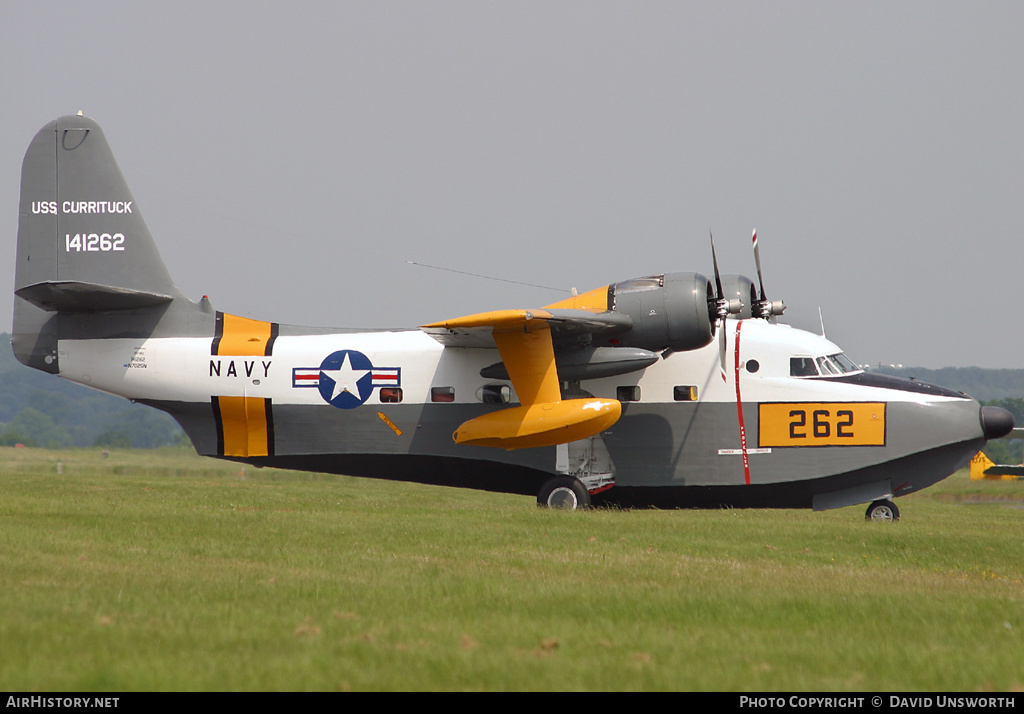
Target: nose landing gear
882,510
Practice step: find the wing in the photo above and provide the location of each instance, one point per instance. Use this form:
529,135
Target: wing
525,340
566,325
572,334
632,323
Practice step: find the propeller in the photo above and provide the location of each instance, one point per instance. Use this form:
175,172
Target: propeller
764,307
719,308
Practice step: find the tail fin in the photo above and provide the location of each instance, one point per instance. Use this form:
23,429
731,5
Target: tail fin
982,467
83,247
979,464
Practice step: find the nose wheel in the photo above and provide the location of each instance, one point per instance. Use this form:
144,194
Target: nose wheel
883,510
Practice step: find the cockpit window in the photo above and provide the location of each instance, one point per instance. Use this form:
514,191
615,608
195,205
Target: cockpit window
844,363
802,367
826,365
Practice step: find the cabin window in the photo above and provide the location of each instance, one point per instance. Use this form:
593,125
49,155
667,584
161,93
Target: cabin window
802,367
495,394
753,365
390,395
628,394
442,394
684,393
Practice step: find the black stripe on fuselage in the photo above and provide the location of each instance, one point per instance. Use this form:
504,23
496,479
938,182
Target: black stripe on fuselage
218,333
219,423
275,330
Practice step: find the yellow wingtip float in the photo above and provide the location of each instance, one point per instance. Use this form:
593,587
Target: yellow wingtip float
545,424
523,338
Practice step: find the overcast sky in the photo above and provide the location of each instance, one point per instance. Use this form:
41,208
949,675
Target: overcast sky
290,158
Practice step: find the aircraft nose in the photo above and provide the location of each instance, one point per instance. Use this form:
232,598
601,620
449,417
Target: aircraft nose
996,422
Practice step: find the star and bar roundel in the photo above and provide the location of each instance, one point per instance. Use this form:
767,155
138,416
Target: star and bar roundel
346,378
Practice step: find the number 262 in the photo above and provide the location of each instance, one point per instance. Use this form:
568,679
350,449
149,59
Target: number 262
821,424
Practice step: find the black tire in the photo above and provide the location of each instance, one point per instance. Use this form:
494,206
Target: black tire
564,492
882,510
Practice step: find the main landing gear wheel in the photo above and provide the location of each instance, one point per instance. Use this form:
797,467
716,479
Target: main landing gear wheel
564,492
883,510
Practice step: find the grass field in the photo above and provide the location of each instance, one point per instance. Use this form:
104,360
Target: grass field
164,571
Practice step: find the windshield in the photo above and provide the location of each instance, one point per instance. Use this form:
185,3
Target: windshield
826,365
844,363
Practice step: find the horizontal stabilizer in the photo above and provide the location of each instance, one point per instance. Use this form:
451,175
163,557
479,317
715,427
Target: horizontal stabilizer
76,296
545,424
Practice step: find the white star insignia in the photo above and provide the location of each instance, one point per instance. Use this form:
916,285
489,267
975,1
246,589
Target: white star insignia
345,378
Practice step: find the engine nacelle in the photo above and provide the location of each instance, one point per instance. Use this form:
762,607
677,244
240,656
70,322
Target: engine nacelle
740,287
669,311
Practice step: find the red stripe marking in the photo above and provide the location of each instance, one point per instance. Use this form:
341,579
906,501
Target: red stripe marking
739,408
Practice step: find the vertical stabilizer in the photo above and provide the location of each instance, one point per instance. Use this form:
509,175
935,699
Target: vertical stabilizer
83,247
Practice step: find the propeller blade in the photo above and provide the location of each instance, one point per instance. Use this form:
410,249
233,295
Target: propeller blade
720,307
757,261
764,308
715,301
718,276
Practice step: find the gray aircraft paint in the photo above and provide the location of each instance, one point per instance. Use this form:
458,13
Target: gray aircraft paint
90,283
